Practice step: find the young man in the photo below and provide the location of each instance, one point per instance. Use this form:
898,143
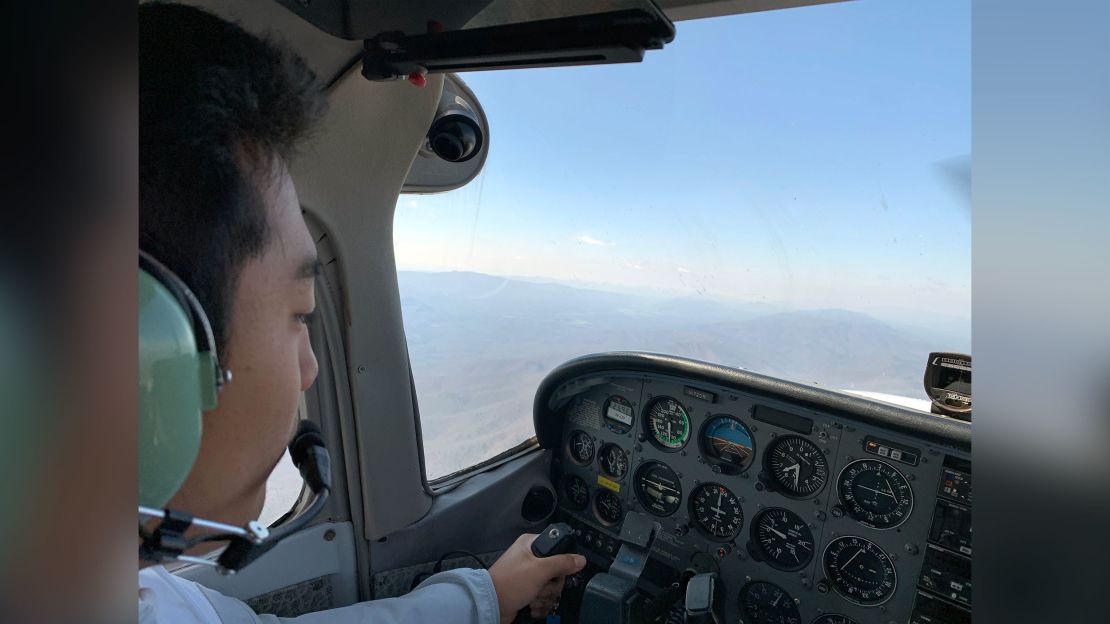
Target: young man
220,114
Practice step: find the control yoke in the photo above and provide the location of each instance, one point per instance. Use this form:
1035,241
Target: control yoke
611,596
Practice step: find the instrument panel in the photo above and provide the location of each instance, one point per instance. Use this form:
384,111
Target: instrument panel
855,513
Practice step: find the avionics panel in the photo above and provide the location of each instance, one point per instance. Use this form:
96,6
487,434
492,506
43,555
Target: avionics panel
808,503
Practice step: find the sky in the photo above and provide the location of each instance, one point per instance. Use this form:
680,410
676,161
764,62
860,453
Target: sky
815,157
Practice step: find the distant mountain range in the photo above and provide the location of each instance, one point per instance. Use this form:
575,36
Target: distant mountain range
480,344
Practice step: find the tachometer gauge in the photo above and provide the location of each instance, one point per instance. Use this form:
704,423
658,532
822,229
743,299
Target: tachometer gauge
834,618
782,539
581,447
727,442
797,466
618,414
668,423
767,603
875,493
658,488
613,460
716,511
608,508
859,570
576,491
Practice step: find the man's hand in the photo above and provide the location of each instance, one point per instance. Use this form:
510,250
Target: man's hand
523,579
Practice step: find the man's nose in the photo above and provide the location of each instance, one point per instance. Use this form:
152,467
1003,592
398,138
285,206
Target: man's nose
309,366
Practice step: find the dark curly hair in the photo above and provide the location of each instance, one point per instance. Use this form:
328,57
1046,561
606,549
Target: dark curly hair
217,106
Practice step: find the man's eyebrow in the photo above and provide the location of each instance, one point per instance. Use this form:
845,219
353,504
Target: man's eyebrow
310,268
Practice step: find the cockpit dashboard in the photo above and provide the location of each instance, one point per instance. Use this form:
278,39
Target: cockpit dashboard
811,506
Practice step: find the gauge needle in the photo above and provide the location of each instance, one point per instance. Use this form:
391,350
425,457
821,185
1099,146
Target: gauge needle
797,469
888,487
864,487
777,599
780,534
851,558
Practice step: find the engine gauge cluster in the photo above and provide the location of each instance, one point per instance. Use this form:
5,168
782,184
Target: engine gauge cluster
581,448
806,517
576,491
613,461
608,508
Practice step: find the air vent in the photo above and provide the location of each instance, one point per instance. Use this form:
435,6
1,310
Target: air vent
538,504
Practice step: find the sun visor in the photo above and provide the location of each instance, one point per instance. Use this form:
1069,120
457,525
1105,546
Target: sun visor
412,38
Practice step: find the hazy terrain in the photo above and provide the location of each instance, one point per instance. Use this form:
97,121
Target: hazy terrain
481,344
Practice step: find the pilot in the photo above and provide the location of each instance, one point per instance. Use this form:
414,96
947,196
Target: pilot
221,112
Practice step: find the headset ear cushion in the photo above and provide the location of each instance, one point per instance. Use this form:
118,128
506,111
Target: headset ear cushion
177,383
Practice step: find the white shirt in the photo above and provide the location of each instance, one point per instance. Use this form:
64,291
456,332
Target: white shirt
464,595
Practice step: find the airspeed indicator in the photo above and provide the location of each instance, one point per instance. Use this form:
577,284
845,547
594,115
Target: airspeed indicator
668,423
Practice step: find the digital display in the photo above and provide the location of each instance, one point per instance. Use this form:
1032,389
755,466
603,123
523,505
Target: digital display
954,379
620,413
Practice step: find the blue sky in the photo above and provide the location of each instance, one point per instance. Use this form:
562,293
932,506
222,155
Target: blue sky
794,156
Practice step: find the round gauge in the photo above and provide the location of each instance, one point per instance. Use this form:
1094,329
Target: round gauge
859,570
608,507
613,460
782,539
668,423
576,491
727,442
834,618
618,414
581,447
658,488
767,603
716,511
797,466
875,493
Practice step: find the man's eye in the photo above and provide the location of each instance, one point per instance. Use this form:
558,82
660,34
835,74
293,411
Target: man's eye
306,318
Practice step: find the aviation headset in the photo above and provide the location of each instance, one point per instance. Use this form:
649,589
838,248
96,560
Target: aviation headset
180,377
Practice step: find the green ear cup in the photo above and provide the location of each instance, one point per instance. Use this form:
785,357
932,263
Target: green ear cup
176,385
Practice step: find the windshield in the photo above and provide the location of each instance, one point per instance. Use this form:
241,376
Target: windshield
785,192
